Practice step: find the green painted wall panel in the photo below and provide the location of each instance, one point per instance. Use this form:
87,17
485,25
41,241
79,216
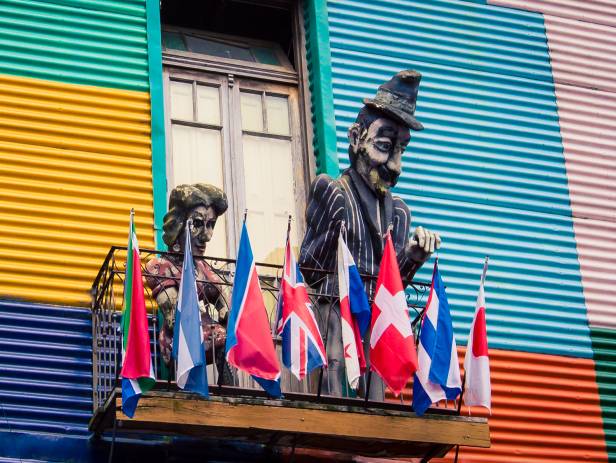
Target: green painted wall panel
101,43
604,348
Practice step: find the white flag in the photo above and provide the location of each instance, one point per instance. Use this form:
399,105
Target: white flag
478,390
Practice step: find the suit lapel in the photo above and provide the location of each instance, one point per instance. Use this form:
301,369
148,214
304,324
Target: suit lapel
368,203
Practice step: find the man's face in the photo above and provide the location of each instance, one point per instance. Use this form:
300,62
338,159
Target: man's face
203,222
379,152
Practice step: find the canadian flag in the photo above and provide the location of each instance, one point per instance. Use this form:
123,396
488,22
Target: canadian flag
392,347
476,361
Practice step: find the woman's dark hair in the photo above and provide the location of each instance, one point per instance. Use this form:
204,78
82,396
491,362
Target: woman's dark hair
183,199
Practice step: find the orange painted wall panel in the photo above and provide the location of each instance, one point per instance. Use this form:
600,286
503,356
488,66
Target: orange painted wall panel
545,408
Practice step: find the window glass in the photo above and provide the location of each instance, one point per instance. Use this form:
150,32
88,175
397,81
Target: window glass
208,105
277,115
216,48
197,157
270,198
252,112
173,40
181,100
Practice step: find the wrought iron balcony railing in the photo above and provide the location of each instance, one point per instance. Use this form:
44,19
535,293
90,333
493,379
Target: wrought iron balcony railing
107,299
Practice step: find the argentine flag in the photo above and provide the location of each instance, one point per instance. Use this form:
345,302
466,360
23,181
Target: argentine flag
438,375
188,346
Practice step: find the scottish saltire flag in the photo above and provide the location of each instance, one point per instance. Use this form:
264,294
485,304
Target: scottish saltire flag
477,388
438,374
302,345
188,342
392,346
137,369
354,313
249,338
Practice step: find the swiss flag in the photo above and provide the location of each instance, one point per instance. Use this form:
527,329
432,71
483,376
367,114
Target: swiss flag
392,347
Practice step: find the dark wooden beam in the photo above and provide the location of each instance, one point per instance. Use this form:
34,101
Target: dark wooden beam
349,429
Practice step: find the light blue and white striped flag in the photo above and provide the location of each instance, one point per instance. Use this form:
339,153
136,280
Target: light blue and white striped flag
188,345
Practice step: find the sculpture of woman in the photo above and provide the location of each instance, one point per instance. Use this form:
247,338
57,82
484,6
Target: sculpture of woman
202,203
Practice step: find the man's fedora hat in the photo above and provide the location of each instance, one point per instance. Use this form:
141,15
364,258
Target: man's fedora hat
398,97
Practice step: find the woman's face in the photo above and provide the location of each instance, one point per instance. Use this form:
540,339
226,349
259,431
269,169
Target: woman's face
203,223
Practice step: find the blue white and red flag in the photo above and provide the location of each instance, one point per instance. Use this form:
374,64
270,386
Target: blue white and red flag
249,338
438,375
302,345
354,313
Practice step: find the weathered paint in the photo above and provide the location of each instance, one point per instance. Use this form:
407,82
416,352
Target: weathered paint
544,408
319,68
488,171
100,42
74,160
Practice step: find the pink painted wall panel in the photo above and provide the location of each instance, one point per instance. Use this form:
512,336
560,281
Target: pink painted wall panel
582,43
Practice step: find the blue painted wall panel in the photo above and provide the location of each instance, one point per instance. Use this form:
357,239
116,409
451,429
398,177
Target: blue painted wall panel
45,368
488,171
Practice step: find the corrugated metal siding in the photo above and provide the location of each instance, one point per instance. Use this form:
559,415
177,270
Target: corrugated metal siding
544,408
595,11
488,172
582,38
45,368
73,161
101,42
604,347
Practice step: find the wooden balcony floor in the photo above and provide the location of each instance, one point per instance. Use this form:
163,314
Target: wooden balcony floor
339,425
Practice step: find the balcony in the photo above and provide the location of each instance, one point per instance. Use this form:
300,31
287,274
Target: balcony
304,418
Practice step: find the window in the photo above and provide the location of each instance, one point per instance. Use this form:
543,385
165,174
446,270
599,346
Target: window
233,115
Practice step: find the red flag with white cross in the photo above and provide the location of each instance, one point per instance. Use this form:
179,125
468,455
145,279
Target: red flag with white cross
392,346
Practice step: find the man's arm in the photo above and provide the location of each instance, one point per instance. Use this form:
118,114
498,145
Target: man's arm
324,214
413,253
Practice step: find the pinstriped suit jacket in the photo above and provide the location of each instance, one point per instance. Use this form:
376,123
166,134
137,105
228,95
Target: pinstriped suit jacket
366,220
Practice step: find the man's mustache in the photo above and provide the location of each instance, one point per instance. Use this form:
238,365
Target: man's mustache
388,175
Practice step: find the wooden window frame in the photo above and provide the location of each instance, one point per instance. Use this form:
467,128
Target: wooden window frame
274,80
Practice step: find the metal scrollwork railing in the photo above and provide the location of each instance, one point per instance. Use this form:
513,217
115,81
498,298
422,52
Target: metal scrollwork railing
107,301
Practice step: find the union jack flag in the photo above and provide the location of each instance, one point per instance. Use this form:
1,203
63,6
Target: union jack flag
302,345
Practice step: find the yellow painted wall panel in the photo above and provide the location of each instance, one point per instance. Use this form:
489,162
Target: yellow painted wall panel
73,161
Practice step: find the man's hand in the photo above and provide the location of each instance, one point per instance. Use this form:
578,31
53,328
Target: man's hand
423,244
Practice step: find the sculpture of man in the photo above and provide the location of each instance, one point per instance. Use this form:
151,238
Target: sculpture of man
361,198
203,204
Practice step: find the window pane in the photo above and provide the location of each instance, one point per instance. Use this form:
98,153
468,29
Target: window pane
216,48
173,40
208,105
269,195
277,115
265,55
252,112
181,101
197,157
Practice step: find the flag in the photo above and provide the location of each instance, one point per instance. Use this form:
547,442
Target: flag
188,342
137,370
302,345
477,389
392,347
354,313
438,375
249,341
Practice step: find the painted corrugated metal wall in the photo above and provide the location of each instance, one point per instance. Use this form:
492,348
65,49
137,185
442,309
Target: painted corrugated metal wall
45,369
75,147
489,173
582,39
